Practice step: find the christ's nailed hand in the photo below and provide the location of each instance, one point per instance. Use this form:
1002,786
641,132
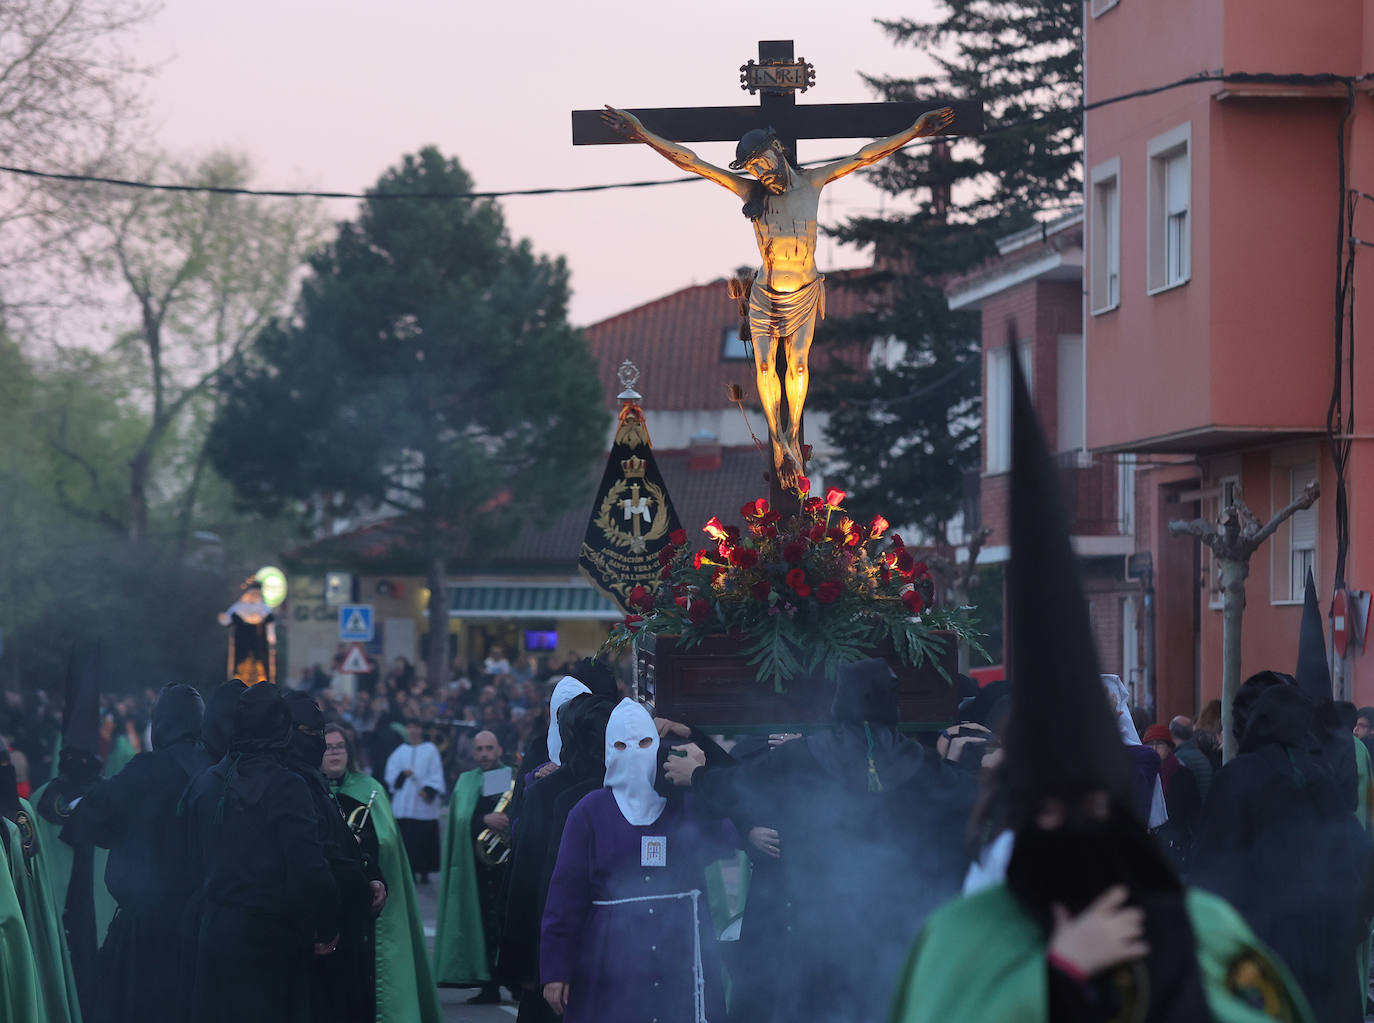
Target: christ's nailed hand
933,122
622,122
1106,934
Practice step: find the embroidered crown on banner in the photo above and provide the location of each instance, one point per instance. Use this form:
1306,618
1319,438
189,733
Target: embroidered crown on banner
633,467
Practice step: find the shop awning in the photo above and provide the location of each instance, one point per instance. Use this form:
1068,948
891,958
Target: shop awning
559,601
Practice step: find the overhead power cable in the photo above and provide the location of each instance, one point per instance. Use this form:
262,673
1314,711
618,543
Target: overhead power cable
1238,77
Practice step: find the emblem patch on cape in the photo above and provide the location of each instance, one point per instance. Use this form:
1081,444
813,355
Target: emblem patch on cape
1251,977
653,851
28,839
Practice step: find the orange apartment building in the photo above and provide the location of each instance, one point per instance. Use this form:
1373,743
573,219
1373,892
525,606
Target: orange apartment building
1210,310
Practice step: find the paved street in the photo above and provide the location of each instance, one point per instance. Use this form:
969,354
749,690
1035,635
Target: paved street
452,1000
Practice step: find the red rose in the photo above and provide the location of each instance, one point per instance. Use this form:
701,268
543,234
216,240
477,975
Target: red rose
905,562
666,555
754,508
878,526
698,612
920,568
772,517
770,531
836,534
827,591
813,504
714,529
760,590
723,549
794,551
804,590
632,621
852,539
699,559
834,497
680,601
816,532
803,485
796,579
641,598
744,557
678,537
915,603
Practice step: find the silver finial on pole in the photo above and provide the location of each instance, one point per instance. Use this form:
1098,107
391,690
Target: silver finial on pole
629,377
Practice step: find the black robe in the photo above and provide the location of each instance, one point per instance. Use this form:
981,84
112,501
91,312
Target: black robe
343,984
1278,841
134,815
269,895
859,870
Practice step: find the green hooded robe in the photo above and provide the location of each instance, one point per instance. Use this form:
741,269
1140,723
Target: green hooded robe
982,958
460,945
57,868
42,914
405,986
21,990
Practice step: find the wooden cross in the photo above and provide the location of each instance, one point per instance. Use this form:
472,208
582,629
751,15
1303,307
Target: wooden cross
777,108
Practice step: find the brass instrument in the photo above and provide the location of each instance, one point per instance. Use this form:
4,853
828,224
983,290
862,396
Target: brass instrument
493,847
357,819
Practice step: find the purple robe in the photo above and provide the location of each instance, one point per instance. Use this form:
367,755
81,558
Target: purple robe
647,960
1145,771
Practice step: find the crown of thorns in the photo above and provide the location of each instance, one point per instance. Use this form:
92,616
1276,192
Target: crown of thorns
755,141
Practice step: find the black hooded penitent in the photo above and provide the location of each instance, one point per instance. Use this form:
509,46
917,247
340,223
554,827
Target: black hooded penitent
217,727
177,715
1054,672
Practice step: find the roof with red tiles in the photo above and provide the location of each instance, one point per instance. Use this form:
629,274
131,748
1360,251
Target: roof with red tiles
676,342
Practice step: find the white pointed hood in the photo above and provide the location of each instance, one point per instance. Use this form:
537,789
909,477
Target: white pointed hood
567,688
630,768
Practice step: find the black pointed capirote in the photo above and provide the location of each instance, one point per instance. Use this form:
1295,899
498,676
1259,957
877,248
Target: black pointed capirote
1061,736
1313,673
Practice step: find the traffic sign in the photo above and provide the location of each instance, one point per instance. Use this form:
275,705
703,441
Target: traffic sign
355,661
355,623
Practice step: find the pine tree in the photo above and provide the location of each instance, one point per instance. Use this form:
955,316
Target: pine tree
907,429
430,374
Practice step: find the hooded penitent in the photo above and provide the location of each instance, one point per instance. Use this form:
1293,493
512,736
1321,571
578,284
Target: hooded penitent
1149,794
597,676
567,688
262,722
217,727
177,716
632,762
862,749
1054,673
307,728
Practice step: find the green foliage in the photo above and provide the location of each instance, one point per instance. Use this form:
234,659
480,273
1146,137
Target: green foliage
907,431
808,594
430,373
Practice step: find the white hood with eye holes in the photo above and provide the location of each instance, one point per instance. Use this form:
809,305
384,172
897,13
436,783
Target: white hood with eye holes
630,771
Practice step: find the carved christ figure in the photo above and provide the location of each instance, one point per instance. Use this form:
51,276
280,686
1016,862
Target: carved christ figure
788,293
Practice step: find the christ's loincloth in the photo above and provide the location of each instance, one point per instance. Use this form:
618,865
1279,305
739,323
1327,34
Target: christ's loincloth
779,314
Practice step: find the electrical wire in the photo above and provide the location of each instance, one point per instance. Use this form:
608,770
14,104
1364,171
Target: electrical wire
284,193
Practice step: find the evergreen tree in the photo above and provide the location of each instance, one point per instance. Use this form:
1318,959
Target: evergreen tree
907,427
430,375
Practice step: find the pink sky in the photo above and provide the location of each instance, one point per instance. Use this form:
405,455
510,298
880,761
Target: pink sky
329,95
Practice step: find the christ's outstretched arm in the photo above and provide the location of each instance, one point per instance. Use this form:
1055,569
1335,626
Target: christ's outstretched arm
624,123
932,122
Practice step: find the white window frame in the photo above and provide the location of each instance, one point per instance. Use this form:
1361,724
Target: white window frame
1070,422
1298,478
1104,284
1161,214
1288,470
997,403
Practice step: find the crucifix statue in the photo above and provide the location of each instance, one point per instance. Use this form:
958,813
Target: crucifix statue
782,200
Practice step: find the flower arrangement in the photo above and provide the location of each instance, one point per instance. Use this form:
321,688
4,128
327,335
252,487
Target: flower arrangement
808,593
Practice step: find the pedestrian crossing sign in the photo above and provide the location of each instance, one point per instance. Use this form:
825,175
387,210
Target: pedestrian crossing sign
355,623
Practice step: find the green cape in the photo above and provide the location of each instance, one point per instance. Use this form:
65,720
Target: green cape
460,945
52,962
57,868
405,986
21,990
983,958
